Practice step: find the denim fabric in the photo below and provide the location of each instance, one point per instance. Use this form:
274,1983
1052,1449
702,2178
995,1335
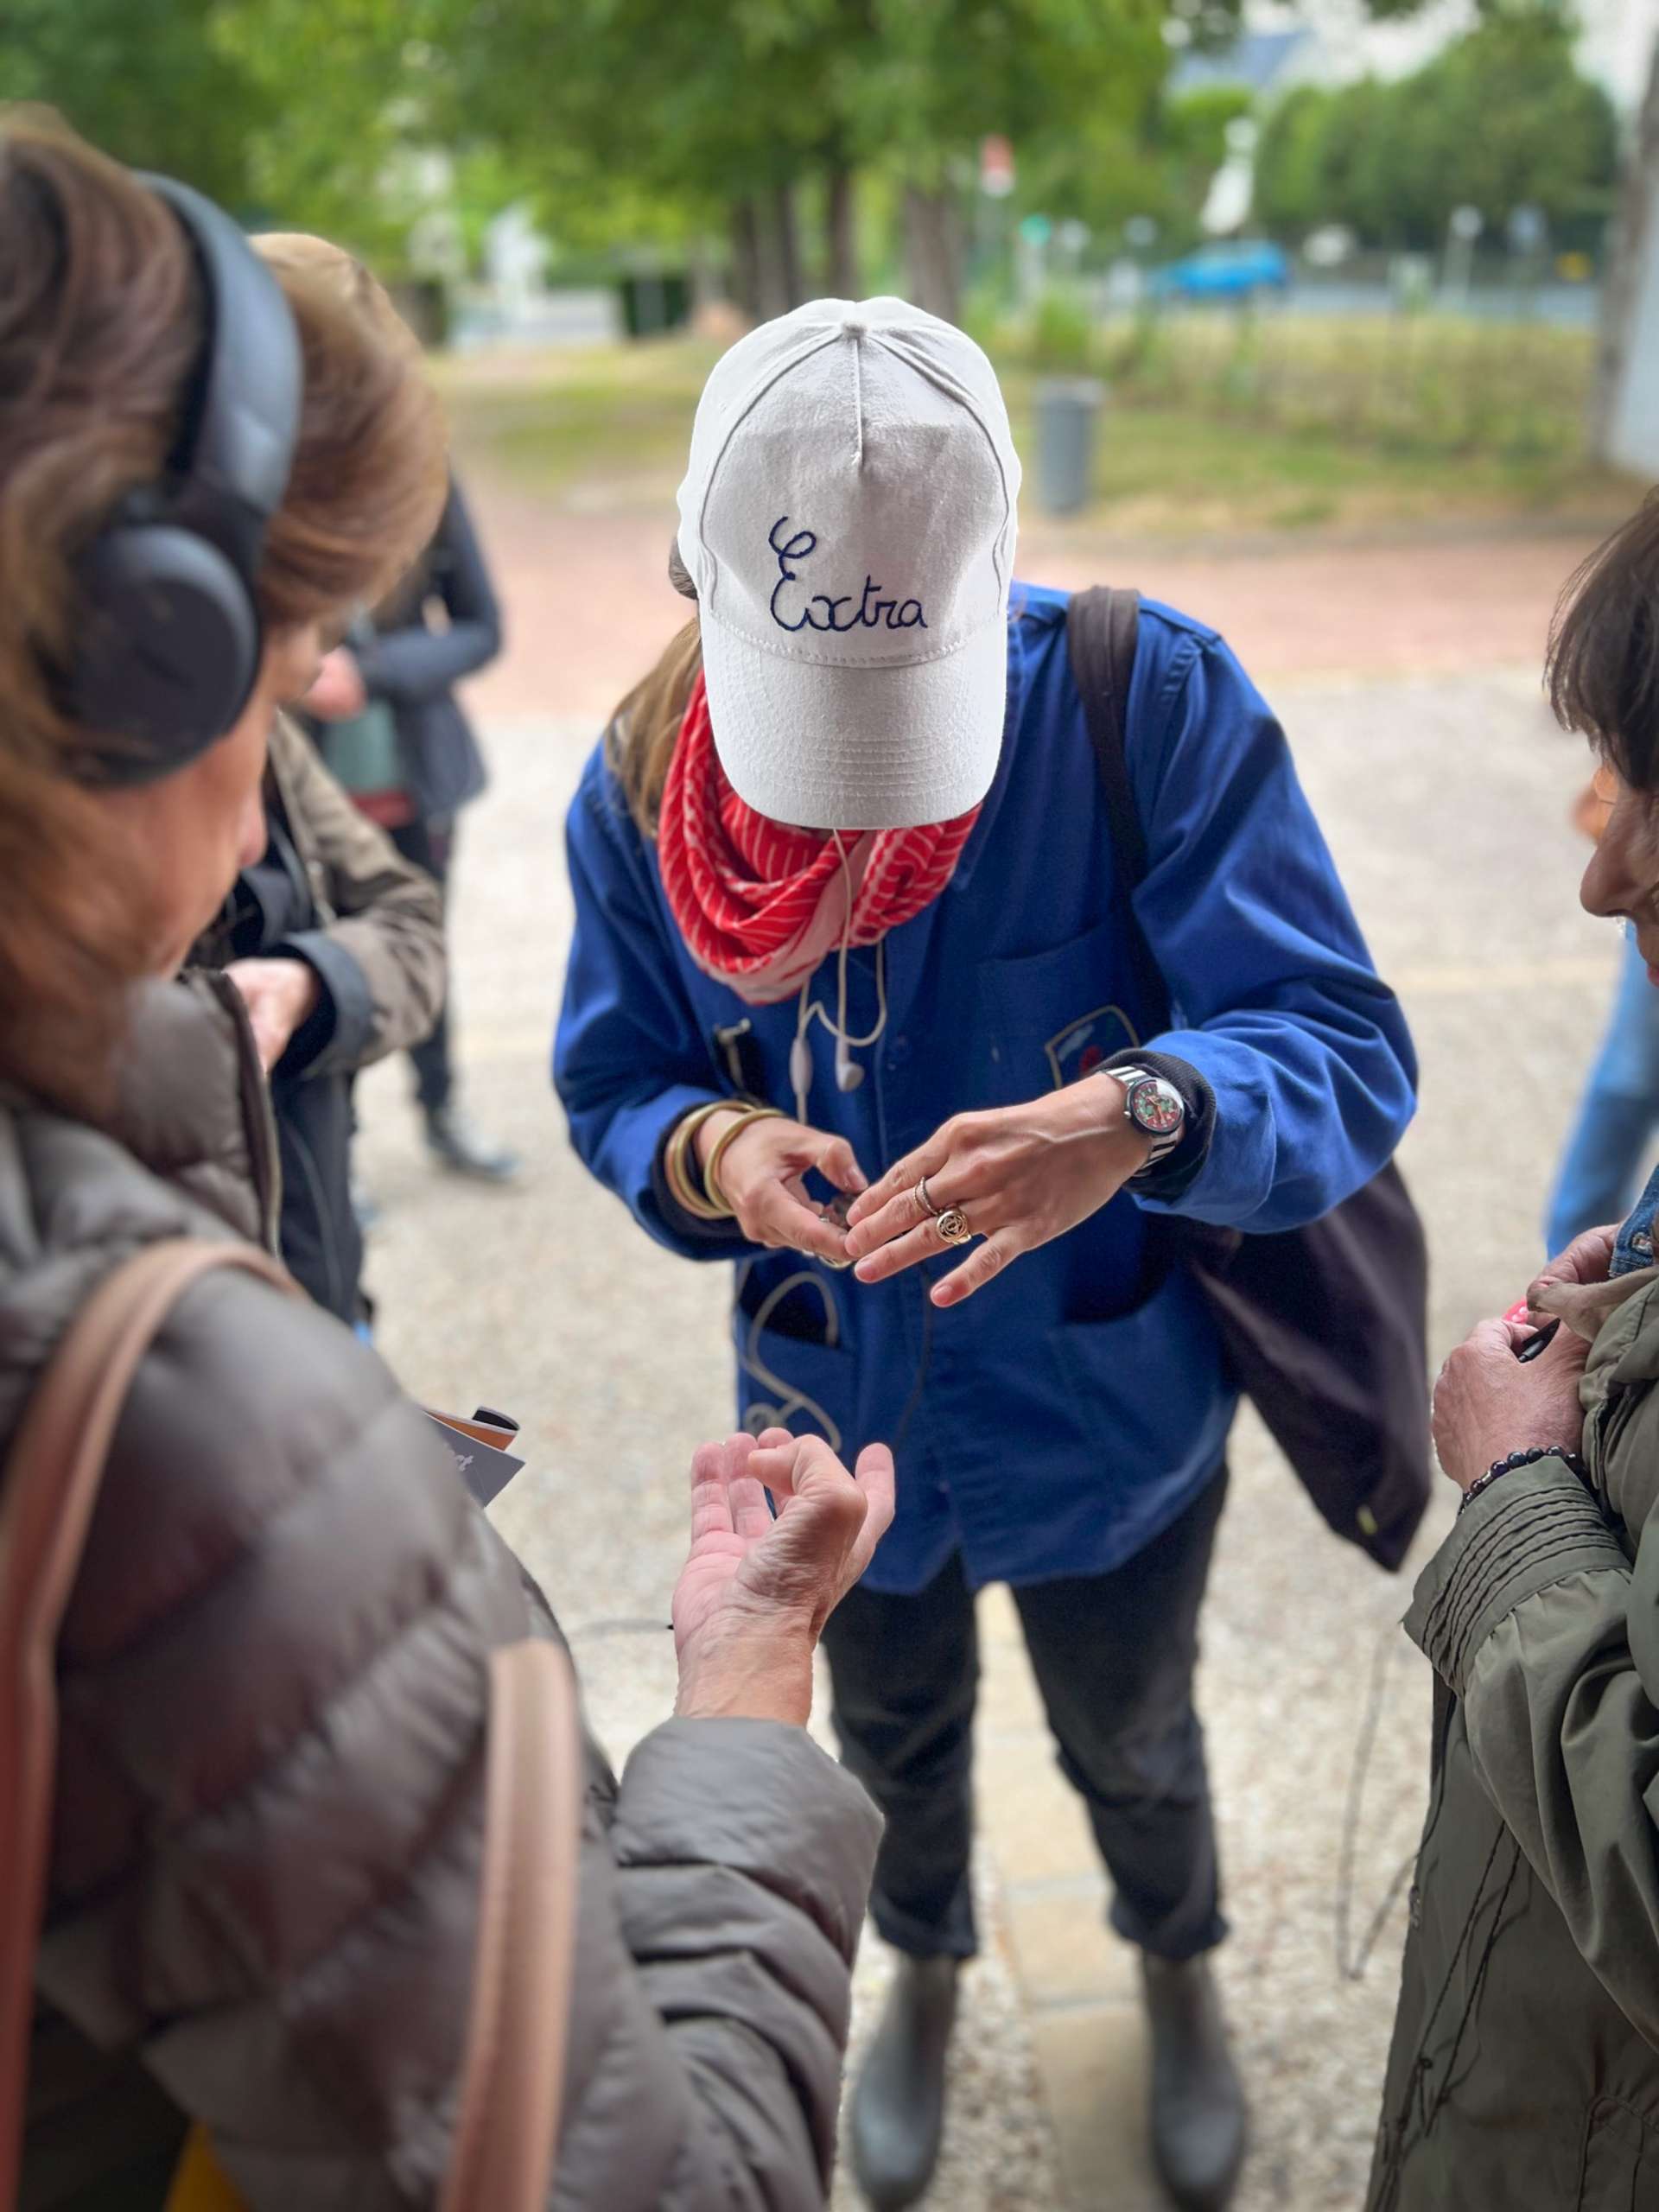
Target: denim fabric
1617,1119
1634,1248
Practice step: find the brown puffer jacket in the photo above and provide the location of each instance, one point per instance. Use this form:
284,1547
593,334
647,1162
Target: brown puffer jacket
265,1864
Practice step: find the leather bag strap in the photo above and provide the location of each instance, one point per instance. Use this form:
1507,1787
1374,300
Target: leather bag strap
1102,631
513,2076
52,1474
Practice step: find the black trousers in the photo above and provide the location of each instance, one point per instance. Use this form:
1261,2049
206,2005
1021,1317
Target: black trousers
430,845
1113,1654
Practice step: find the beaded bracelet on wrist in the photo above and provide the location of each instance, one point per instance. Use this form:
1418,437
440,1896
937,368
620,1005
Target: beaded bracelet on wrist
1500,1467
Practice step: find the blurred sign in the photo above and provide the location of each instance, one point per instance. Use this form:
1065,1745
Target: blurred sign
436,247
1036,230
995,167
1527,230
1466,225
1330,247
1411,279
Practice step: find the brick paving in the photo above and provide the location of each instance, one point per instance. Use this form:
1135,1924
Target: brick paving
588,601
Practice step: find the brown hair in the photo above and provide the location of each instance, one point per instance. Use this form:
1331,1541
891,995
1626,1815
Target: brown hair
101,327
1603,670
640,741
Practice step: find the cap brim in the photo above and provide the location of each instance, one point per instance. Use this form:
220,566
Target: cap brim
829,747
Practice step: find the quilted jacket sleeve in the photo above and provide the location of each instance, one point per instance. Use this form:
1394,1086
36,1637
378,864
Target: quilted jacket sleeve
1533,1614
266,1860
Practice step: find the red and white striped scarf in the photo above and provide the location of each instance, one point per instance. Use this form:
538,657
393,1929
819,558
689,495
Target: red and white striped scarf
760,904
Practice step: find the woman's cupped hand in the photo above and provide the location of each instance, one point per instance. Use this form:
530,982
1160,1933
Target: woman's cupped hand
753,1597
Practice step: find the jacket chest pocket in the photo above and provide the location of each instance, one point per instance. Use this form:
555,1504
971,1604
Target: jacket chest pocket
1621,2161
1046,1019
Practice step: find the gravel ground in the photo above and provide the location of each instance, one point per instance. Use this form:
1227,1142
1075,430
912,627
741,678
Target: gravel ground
1445,799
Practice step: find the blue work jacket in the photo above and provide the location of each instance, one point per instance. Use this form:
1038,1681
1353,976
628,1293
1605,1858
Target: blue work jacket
1058,1420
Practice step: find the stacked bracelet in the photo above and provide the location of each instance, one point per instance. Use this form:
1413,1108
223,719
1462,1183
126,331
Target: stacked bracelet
723,1144
1526,1460
686,1189
702,1197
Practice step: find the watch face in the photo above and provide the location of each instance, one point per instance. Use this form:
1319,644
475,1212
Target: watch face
1157,1108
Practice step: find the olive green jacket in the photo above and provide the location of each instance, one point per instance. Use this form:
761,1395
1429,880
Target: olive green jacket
1525,2067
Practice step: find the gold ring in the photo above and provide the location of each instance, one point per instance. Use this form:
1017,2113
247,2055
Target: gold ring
924,1200
952,1225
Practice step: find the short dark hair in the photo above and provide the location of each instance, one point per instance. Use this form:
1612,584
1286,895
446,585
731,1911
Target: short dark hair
1603,668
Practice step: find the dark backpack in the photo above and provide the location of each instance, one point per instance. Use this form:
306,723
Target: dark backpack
1326,1327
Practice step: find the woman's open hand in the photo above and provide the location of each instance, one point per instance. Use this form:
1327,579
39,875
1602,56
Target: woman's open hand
1019,1175
752,1599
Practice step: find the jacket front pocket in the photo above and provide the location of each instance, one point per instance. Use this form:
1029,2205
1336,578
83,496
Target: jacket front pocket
1046,1019
1142,1386
787,1381
1621,2160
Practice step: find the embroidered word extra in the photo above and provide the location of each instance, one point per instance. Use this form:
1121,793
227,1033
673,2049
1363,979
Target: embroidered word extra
819,611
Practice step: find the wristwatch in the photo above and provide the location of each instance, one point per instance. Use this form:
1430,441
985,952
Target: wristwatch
1154,1107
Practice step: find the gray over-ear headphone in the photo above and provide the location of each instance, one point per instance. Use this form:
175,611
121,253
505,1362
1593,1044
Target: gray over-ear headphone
169,637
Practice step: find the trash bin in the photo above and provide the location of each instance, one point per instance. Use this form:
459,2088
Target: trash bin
1068,412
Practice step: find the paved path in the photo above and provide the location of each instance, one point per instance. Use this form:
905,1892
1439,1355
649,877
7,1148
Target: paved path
1444,795
588,600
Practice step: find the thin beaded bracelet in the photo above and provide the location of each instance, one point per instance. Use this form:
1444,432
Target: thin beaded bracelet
1525,1459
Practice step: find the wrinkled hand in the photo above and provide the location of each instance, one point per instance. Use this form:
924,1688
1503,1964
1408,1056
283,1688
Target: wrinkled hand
280,996
752,1599
337,690
1577,1289
762,1174
1587,1259
1487,1404
1021,1175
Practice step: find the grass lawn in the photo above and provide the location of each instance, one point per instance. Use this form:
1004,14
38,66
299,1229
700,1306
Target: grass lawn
606,431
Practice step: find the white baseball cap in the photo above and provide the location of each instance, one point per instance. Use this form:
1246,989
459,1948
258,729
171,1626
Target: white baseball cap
848,520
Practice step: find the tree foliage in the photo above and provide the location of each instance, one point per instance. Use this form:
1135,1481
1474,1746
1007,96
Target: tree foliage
1500,120
1160,163
148,84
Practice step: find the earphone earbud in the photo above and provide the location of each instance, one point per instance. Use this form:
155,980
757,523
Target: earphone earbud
849,1074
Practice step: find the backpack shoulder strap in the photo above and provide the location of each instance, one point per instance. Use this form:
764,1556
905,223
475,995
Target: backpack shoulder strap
1102,631
50,1487
1103,628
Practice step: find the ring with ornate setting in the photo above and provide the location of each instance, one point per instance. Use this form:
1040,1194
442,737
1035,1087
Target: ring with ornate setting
952,1225
924,1200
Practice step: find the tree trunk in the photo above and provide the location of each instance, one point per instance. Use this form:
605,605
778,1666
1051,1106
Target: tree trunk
933,251
746,258
778,285
703,269
841,224
791,276
1633,274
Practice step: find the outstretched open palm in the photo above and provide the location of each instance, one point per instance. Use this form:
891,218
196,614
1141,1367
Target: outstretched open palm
756,1578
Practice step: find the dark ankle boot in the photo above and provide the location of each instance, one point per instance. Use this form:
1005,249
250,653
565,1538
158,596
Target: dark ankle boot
898,2113
1198,2100
455,1144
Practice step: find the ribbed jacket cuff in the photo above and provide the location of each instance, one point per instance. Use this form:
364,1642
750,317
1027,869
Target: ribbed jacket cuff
1171,1179
1535,1526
